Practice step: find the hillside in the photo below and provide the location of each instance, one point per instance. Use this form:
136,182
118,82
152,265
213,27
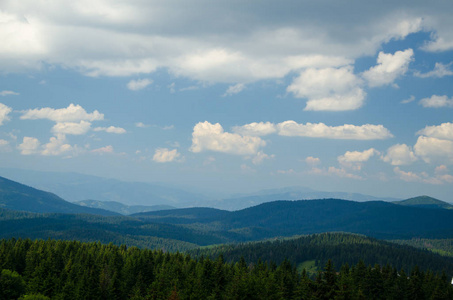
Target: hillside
122,208
16,196
285,218
425,202
341,248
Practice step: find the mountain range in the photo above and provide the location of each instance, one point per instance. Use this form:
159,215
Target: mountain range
76,187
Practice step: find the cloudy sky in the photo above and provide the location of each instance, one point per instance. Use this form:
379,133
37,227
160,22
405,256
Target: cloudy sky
231,95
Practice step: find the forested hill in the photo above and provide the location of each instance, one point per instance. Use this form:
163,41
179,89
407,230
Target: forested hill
284,218
341,248
425,202
73,270
16,196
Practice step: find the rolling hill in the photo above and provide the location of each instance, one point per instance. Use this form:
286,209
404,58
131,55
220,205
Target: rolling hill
425,202
16,196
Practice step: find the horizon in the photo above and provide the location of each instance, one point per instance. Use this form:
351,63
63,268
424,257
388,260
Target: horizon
225,98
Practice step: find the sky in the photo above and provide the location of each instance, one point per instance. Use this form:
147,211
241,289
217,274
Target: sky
232,96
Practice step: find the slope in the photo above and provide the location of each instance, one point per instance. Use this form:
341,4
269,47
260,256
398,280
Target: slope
425,202
16,196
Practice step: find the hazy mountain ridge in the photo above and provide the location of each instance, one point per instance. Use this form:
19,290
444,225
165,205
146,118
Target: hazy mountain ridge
16,196
75,187
122,208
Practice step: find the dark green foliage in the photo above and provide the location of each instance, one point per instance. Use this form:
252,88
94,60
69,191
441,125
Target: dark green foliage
440,246
339,247
75,270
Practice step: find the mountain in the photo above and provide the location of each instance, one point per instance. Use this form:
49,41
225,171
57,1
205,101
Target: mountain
285,218
78,187
287,193
75,187
425,202
16,196
122,208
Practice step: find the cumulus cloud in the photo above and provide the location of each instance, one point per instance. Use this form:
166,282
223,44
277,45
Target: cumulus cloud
130,38
312,161
56,146
436,101
407,176
8,93
73,113
29,145
399,154
256,129
141,125
355,159
260,156
389,67
4,145
139,84
71,128
440,70
4,112
442,131
103,150
211,137
342,173
163,155
331,89
433,149
111,129
321,130
234,89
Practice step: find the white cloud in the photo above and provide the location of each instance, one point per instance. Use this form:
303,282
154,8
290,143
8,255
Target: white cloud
321,130
56,146
73,113
4,112
329,89
408,100
355,159
211,137
442,131
139,84
407,176
29,145
440,70
141,125
399,154
260,156
103,150
389,68
342,173
255,129
436,101
433,149
8,93
71,128
99,38
4,146
163,155
312,161
111,129
234,89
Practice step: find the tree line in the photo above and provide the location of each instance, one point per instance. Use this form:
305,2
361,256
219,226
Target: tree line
75,270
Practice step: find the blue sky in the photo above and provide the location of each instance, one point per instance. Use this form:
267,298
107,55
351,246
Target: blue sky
232,97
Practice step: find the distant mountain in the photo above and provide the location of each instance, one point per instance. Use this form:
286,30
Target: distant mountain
425,202
122,208
16,196
285,218
288,193
78,187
